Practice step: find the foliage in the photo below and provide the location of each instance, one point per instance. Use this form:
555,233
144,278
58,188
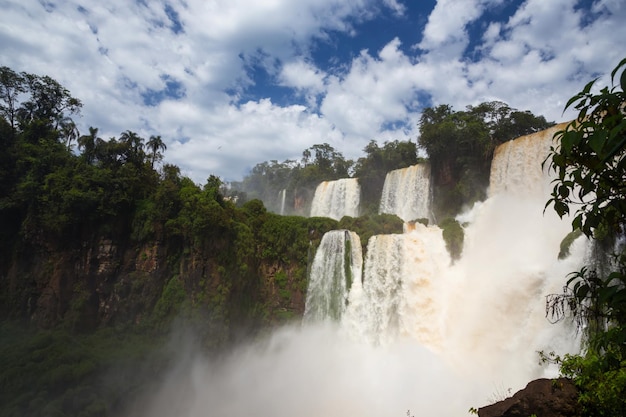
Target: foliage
460,147
171,301
591,176
590,162
453,235
372,224
57,373
319,163
267,180
567,242
599,376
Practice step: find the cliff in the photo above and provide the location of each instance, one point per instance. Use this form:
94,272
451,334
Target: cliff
230,281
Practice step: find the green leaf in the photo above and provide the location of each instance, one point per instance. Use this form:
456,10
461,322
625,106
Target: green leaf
597,141
588,86
568,140
572,100
622,78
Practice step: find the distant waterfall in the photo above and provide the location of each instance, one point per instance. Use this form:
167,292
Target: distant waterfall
337,263
336,199
282,194
406,193
516,165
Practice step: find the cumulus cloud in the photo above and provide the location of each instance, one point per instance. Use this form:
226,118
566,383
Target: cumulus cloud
251,132
205,74
375,91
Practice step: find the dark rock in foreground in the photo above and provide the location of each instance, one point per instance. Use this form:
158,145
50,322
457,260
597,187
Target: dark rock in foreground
542,397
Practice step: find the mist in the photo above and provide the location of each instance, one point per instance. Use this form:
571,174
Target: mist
474,342
421,335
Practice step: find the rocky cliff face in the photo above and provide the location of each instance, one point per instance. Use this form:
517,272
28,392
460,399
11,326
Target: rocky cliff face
113,282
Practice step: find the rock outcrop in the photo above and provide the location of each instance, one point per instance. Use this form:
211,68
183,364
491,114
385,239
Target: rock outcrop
542,398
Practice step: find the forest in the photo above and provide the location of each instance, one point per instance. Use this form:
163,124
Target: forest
105,246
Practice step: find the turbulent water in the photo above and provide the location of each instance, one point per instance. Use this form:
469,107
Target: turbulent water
410,332
337,262
336,199
406,193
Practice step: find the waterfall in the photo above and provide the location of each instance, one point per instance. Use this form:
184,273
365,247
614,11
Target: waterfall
408,329
406,193
516,165
483,315
336,265
282,194
399,288
336,199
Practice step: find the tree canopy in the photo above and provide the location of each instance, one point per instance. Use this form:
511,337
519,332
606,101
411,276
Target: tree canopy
460,147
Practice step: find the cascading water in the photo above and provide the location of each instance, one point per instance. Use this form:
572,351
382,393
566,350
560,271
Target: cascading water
406,193
336,199
399,289
483,315
516,166
336,264
418,332
282,195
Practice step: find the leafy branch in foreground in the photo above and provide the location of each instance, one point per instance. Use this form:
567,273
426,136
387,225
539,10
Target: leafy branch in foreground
590,164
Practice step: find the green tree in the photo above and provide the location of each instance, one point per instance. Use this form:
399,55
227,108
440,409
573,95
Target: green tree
590,166
68,131
460,147
87,143
48,101
372,169
132,148
330,163
155,145
11,86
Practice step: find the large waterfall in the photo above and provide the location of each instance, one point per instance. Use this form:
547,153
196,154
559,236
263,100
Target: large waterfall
336,199
407,332
406,193
516,165
484,315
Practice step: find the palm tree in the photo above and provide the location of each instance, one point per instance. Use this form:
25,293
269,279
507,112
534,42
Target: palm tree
134,147
155,145
68,130
88,144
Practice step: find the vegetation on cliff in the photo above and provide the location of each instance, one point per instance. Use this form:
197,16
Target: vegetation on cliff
460,147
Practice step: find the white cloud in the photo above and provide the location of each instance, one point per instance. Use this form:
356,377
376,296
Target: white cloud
445,34
254,132
374,91
305,78
111,54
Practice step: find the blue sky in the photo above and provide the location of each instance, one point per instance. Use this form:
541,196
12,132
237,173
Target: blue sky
231,83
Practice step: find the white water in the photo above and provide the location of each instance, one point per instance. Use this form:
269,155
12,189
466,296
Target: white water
418,333
336,199
484,316
516,166
406,193
282,196
327,294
